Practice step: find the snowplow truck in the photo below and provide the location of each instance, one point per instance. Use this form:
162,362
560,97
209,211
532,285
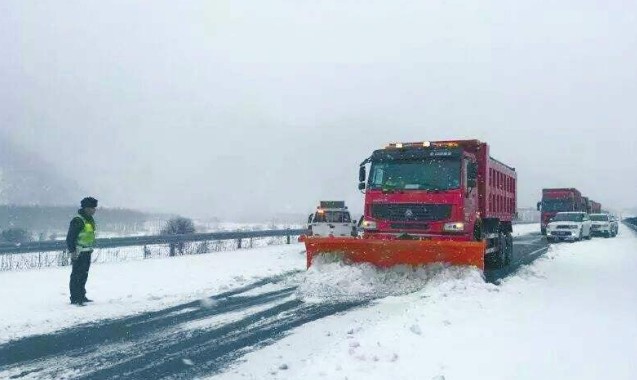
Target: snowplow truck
429,202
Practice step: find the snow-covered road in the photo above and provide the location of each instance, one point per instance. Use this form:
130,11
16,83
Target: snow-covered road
572,314
197,315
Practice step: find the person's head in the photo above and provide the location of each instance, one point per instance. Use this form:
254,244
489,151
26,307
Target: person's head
89,205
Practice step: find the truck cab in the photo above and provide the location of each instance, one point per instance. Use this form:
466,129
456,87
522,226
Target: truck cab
331,218
440,190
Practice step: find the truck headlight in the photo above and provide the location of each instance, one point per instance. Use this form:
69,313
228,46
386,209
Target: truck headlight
369,225
453,227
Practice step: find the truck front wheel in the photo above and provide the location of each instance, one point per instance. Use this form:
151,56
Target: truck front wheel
502,256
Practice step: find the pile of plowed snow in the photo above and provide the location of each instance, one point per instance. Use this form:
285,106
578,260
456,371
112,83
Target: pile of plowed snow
334,281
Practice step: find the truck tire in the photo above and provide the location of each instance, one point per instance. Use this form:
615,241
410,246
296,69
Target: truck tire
477,232
509,241
498,259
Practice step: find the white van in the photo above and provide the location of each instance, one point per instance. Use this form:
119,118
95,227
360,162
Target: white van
331,218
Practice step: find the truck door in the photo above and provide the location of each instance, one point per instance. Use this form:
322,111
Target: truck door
470,188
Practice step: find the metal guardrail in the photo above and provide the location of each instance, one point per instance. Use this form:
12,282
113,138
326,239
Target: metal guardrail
60,245
131,241
631,222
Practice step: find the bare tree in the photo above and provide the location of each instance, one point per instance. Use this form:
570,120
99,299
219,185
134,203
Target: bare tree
178,226
15,235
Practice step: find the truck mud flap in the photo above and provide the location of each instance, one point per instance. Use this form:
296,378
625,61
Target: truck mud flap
388,253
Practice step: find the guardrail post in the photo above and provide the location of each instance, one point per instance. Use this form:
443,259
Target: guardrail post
287,238
238,243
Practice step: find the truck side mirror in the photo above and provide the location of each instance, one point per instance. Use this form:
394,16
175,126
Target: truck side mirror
539,205
309,219
361,186
362,173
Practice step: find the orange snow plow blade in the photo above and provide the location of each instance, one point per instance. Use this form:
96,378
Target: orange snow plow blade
387,253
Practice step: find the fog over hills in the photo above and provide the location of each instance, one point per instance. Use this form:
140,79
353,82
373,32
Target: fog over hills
27,179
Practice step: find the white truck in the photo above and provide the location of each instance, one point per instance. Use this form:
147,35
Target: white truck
331,218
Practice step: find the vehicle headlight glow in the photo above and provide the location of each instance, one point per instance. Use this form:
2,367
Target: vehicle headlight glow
369,224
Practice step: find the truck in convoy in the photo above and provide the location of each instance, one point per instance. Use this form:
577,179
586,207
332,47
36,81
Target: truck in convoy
331,218
593,207
431,201
559,200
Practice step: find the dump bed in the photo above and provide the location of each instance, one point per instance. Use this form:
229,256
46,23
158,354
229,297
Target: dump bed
497,183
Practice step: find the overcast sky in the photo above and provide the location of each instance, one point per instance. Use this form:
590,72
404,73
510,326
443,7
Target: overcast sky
232,109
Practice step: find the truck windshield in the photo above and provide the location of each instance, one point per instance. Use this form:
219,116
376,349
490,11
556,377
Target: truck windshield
332,217
599,218
568,217
439,174
552,205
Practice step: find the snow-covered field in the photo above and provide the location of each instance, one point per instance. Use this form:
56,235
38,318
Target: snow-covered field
572,314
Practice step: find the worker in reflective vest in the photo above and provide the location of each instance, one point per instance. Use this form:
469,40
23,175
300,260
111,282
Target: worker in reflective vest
80,241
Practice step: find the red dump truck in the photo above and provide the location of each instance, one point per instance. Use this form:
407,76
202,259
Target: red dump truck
556,200
431,201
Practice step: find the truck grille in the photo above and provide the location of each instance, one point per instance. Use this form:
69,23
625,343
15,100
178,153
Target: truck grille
408,226
411,212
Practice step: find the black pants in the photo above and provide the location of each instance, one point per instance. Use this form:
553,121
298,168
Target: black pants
79,275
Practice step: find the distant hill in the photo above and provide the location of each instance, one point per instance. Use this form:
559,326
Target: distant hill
55,219
27,179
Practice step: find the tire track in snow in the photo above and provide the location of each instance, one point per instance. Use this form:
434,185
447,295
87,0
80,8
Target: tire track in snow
168,343
526,249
